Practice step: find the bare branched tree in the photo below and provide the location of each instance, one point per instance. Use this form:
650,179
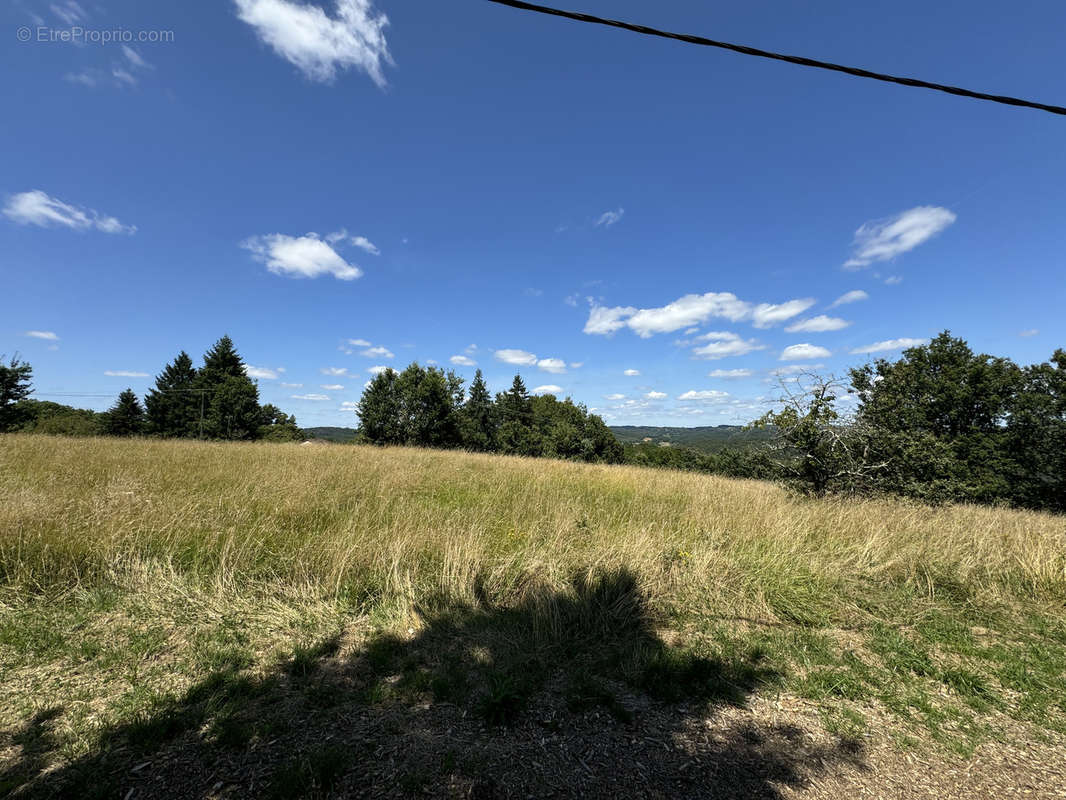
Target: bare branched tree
816,447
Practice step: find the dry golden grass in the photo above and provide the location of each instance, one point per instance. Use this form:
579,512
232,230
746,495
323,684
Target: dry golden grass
404,523
145,583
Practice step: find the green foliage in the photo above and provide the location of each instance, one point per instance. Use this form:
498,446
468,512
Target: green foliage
15,385
703,438
818,451
231,398
513,405
173,407
1036,435
478,418
277,426
126,416
954,425
43,416
217,401
427,407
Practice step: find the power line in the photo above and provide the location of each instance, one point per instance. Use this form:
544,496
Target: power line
804,62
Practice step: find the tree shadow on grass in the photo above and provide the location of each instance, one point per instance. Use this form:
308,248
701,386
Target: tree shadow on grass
563,694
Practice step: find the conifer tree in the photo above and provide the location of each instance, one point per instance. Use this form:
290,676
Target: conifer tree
479,416
231,397
126,416
14,387
514,405
173,407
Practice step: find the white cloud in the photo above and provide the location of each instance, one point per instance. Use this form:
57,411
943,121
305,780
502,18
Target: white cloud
310,397
331,387
705,396
85,78
631,373
548,388
1030,332
135,58
49,335
359,343
264,373
767,314
888,344
69,12
320,45
577,364
653,395
293,385
378,352
723,344
850,297
470,349
882,240
893,280
38,208
794,369
609,218
349,405
688,311
334,371
614,397
125,373
729,373
300,256
463,361
819,324
518,357
365,244
378,369
800,352
123,77
603,320
553,365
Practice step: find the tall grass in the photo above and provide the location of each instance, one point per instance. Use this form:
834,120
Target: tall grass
402,524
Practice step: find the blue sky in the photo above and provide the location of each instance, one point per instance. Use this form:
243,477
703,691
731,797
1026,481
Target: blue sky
654,228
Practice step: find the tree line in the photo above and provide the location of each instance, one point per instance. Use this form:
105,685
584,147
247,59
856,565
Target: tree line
215,401
428,407
942,423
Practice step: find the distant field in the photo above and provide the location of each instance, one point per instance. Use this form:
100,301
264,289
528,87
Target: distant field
287,620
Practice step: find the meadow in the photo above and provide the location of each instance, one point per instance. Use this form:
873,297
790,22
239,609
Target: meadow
245,602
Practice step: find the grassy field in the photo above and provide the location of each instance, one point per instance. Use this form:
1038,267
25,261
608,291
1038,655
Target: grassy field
161,596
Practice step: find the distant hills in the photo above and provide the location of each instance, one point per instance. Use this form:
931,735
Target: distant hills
331,434
709,439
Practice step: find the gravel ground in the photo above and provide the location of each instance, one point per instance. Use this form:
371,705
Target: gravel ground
771,749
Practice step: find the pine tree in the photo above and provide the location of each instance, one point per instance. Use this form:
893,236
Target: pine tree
126,417
479,416
231,397
514,405
173,407
14,386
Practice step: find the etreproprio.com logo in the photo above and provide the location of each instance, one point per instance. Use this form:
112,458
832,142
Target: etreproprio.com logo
43,34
